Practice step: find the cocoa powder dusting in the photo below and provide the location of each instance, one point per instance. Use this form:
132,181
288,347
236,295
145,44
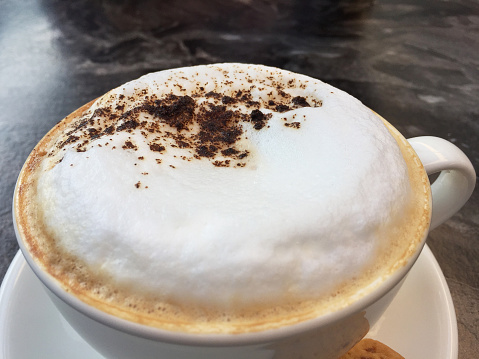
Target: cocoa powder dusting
300,101
155,147
258,119
293,124
205,124
176,111
129,145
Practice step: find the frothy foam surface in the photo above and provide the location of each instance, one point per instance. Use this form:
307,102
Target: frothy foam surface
225,186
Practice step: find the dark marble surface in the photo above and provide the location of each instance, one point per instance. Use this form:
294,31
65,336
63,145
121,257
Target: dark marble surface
414,62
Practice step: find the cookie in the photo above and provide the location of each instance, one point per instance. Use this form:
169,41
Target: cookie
371,349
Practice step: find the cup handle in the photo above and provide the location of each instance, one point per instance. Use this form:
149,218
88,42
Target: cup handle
451,190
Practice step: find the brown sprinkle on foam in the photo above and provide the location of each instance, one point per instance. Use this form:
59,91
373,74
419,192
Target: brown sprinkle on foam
293,124
207,125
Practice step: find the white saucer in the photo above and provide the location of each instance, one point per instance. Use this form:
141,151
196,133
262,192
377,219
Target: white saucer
419,324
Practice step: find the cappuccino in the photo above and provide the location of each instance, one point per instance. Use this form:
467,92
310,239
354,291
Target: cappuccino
224,198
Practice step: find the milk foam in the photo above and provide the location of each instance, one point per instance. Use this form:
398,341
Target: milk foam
294,218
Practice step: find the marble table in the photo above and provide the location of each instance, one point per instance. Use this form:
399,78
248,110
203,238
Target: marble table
414,62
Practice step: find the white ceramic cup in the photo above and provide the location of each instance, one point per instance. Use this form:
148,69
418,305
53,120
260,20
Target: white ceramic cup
327,336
